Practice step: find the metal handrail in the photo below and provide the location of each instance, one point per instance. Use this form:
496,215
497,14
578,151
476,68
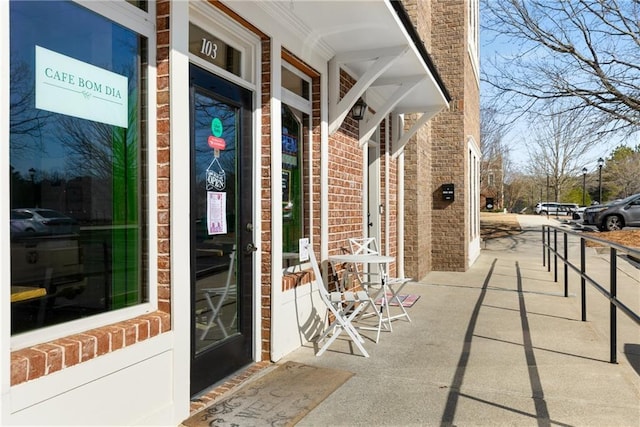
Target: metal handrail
611,294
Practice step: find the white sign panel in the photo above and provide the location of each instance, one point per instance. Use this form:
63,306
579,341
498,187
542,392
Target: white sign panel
303,249
216,212
67,86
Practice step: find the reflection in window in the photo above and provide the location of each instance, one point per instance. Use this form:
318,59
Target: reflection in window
295,83
294,210
141,4
77,179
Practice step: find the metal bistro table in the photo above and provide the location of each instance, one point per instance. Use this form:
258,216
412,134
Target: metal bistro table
384,291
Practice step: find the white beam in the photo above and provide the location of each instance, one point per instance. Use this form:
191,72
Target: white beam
398,146
339,108
370,54
403,90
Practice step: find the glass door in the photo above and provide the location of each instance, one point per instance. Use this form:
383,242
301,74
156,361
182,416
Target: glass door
221,229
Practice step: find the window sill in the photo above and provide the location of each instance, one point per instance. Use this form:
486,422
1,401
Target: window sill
43,359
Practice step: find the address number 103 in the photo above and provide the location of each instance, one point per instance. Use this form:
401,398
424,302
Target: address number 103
209,48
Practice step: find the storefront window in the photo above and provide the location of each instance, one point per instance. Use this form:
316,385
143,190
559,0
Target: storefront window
296,115
294,83
292,202
77,158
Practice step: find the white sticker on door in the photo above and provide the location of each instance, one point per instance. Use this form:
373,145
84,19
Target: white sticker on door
216,212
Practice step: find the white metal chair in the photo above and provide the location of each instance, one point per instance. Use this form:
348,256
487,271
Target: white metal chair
368,245
343,305
363,246
224,293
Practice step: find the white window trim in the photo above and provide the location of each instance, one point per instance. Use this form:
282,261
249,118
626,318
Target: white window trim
142,23
474,199
473,14
231,32
298,102
234,35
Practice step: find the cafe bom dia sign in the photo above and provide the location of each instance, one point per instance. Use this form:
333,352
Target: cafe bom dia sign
67,86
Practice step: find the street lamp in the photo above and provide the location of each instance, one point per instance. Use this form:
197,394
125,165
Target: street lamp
600,164
547,193
584,186
32,175
541,194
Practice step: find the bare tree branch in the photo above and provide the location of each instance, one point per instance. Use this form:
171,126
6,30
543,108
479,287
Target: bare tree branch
582,54
560,144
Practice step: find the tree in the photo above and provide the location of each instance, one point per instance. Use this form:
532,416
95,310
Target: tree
517,193
585,54
25,122
621,171
558,148
494,168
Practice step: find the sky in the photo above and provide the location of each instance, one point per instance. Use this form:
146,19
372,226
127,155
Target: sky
518,139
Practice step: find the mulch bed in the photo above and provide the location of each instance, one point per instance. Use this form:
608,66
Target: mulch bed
629,238
494,226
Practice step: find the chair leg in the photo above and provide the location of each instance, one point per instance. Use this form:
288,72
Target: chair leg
374,311
343,323
215,317
395,293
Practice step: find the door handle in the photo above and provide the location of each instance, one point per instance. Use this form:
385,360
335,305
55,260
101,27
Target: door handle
250,248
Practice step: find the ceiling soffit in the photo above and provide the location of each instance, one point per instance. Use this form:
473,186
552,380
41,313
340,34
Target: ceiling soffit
374,41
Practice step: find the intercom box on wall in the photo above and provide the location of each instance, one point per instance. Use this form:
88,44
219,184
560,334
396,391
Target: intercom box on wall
448,192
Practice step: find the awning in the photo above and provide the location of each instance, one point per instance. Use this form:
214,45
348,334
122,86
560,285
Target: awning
376,42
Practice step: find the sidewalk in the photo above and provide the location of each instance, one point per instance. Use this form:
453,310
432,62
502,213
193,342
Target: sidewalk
496,345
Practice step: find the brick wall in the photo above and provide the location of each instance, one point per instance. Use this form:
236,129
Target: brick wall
437,232
266,217
450,54
418,181
418,202
163,156
345,179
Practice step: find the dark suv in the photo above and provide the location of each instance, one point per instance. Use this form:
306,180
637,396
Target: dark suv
614,215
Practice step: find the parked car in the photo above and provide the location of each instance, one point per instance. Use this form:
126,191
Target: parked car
555,208
578,214
614,215
44,221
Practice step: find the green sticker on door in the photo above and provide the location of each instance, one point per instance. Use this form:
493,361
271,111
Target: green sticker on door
216,127
214,140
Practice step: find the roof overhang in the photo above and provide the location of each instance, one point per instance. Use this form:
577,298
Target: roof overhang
375,42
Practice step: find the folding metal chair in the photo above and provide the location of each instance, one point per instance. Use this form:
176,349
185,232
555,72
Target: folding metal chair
368,245
364,246
343,305
224,293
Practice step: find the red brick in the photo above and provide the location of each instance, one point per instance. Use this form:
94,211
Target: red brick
54,357
19,367
88,346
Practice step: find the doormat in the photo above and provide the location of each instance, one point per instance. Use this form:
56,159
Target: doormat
407,300
280,398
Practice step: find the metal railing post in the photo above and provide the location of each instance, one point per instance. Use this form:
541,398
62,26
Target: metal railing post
548,249
612,307
544,258
566,265
611,294
583,281
555,255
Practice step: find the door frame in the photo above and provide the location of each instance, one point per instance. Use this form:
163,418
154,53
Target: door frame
178,183
230,354
372,205
174,183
